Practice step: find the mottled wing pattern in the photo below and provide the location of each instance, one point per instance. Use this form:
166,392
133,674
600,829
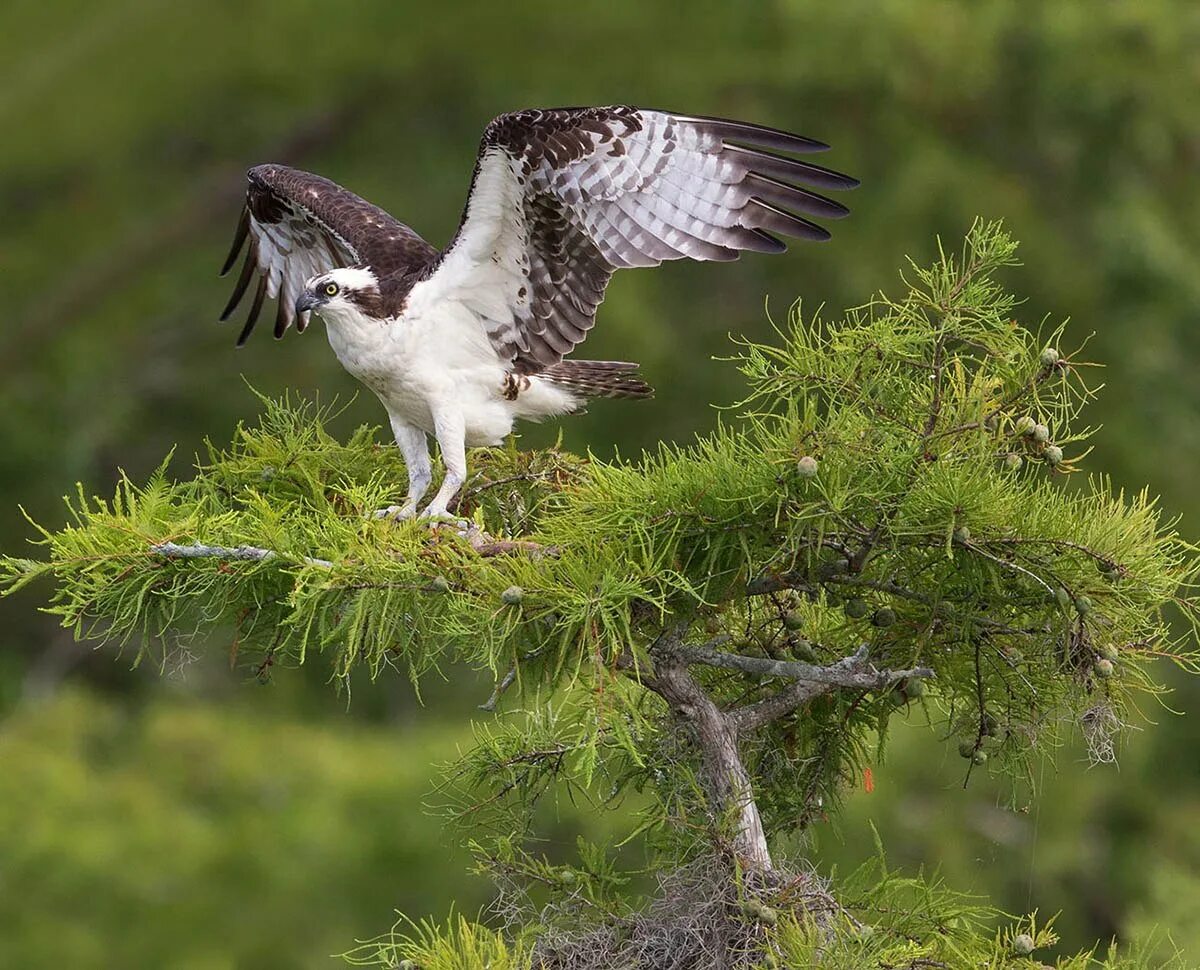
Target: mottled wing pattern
300,225
561,198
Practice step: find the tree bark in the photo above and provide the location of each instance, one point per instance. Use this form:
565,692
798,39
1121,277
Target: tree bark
728,782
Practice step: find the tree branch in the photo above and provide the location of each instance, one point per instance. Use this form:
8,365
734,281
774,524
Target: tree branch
1008,564
728,782
717,731
198,550
855,672
777,582
501,686
483,544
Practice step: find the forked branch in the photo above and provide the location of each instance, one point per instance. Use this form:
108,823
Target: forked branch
717,732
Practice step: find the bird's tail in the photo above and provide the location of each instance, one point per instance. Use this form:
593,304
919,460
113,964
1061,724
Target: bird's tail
598,378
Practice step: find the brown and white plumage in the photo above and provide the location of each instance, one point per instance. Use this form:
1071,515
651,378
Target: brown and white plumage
565,197
462,342
301,225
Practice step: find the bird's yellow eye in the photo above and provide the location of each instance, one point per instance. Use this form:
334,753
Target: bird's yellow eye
331,289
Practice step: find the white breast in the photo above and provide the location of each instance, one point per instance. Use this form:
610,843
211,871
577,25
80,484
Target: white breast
434,358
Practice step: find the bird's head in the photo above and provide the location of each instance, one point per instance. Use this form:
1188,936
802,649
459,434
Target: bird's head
341,291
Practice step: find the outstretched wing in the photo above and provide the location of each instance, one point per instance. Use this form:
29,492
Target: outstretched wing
300,225
561,198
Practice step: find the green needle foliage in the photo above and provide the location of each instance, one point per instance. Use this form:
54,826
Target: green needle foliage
715,636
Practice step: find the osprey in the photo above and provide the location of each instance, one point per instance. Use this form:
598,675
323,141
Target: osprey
462,342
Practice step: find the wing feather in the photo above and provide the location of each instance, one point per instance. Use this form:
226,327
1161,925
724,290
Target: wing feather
243,281
763,215
239,238
744,131
301,225
255,309
561,198
790,169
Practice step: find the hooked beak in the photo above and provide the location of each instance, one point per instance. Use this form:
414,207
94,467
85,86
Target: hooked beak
307,301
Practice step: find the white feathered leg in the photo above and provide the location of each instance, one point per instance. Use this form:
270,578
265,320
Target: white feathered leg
449,428
415,449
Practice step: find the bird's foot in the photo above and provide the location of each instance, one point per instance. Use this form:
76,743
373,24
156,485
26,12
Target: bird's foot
434,517
438,518
397,513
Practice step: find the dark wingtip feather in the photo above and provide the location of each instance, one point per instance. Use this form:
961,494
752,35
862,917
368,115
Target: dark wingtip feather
617,366
744,131
793,197
239,238
792,169
767,216
239,288
282,318
255,309
777,245
754,240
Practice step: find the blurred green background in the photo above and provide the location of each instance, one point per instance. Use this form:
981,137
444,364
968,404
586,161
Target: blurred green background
199,819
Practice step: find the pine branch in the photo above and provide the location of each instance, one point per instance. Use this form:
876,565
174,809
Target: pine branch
198,550
778,582
484,544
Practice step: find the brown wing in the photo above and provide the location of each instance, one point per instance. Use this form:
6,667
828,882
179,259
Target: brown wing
300,225
561,198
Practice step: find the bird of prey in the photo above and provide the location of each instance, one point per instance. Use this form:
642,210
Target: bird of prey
460,343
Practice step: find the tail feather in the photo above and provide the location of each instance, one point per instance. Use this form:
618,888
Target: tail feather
598,378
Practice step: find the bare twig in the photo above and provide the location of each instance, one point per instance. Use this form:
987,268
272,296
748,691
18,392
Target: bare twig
504,684
497,482
777,582
773,583
1008,564
487,545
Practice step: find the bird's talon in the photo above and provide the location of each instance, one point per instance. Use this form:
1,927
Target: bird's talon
437,520
397,513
